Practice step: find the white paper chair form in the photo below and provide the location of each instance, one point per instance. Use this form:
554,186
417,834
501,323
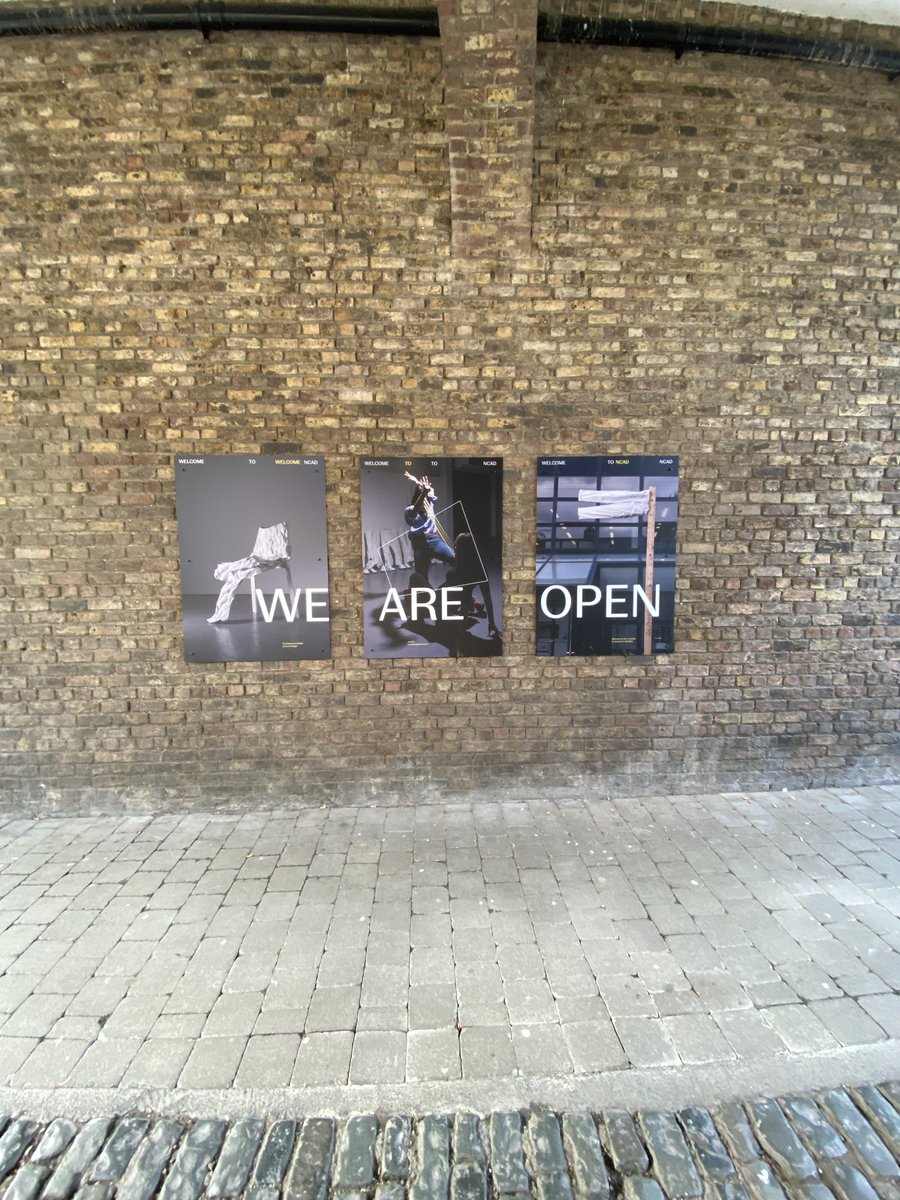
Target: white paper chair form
271,549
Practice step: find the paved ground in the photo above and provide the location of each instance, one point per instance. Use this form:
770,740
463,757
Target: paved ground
839,1144
664,955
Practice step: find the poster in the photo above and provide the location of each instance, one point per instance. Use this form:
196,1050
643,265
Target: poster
605,571
254,558
432,533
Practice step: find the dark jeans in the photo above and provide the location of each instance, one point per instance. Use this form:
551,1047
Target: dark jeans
425,549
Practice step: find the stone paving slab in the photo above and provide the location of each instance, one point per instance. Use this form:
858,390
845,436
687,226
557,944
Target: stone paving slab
545,934
839,1144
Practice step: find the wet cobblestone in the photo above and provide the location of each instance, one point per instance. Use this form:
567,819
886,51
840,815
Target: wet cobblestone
836,1144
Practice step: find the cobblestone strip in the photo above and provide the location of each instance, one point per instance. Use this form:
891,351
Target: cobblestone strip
355,1158
549,1166
15,1140
431,1178
84,1148
311,1169
585,1154
469,1178
272,1164
187,1175
838,1144
507,1154
118,1152
143,1173
395,1150
236,1160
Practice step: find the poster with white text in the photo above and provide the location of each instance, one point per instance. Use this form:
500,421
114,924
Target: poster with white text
432,534
254,557
605,571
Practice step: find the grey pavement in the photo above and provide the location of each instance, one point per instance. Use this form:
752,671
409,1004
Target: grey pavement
538,947
536,995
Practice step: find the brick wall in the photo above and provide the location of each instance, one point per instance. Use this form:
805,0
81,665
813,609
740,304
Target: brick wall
244,245
488,53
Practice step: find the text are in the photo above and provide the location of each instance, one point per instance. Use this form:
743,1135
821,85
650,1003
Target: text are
423,602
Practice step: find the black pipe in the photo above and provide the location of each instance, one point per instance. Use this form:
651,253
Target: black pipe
681,38
209,16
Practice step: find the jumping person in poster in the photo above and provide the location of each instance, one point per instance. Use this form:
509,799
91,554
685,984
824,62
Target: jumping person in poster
425,536
423,557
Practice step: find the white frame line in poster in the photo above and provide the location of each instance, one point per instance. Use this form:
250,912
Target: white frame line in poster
423,560
439,512
605,568
254,558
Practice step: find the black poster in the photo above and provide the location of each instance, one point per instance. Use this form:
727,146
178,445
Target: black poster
605,575
432,533
254,558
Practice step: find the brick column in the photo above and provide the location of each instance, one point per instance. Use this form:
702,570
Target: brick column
489,50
